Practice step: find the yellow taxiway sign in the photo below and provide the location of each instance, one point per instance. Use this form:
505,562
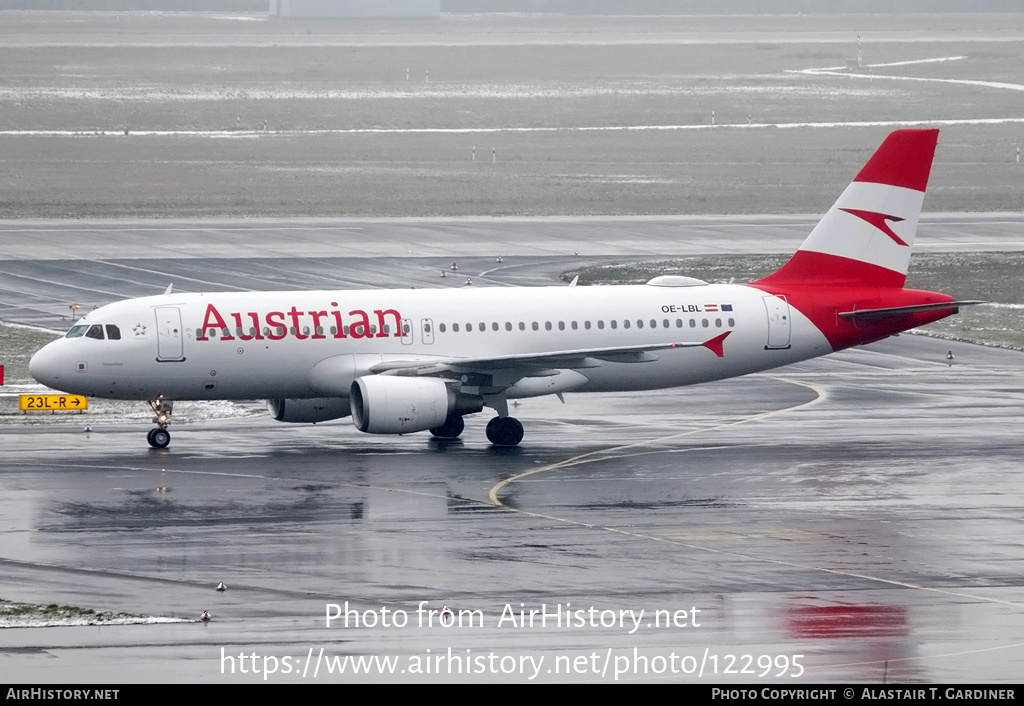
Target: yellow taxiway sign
52,403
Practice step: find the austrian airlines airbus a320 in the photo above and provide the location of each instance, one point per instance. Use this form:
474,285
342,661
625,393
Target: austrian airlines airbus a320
401,361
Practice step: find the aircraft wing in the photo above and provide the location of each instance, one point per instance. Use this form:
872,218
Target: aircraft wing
576,358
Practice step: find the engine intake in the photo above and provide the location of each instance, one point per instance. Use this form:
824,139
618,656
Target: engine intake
385,404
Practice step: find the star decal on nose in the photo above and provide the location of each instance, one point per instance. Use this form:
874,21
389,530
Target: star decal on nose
139,330
878,220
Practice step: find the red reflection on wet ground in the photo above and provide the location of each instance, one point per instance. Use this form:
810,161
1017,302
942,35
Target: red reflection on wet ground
844,621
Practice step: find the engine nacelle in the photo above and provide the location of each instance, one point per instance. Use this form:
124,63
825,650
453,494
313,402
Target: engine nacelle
318,409
387,404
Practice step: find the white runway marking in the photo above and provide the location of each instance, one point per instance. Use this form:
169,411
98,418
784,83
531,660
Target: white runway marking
859,73
937,60
256,134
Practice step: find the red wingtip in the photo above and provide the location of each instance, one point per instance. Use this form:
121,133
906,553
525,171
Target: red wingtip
715,344
904,159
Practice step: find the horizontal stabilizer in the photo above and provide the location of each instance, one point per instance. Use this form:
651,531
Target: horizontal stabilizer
870,314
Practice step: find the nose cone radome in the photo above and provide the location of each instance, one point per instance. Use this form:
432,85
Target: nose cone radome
45,366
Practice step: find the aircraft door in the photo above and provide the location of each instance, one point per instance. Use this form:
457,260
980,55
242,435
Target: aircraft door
169,346
427,328
778,322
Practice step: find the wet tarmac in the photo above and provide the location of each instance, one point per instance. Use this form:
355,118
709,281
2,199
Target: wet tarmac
853,518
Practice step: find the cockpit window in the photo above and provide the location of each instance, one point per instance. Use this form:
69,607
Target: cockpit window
95,331
113,332
77,331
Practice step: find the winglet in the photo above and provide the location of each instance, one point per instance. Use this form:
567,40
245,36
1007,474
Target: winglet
715,344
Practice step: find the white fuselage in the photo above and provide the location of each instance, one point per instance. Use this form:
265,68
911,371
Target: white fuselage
310,344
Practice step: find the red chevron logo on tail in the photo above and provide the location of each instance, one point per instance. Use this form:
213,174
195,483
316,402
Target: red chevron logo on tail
878,220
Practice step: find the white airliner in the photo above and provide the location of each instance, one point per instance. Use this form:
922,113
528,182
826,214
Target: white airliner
402,361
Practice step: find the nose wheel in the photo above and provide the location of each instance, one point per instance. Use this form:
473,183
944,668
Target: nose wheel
159,437
505,431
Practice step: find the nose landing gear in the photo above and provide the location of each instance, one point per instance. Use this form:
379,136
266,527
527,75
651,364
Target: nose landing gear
159,438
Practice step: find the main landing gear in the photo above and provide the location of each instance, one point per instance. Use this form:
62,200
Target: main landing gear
451,429
159,438
505,431
501,431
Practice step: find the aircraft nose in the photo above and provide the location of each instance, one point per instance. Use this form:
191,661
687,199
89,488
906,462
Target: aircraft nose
45,366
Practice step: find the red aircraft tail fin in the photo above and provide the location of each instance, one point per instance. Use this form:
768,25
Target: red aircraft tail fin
866,237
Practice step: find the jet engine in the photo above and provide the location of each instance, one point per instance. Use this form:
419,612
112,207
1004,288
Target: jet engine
386,404
318,409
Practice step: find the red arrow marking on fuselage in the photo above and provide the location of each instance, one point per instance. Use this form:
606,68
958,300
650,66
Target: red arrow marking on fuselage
715,344
878,220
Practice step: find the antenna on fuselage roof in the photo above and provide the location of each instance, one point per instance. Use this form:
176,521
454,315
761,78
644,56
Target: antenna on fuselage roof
574,281
169,288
